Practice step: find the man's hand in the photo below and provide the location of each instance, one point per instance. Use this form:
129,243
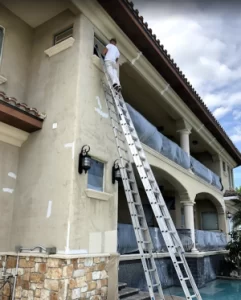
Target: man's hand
104,52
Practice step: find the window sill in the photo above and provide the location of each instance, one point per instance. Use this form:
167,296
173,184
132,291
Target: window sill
97,63
60,47
98,195
2,79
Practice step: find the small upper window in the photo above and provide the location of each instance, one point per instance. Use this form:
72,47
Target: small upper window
99,45
1,40
224,166
63,35
96,176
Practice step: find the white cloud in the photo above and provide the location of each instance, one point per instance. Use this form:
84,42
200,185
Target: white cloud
237,114
203,37
221,112
236,137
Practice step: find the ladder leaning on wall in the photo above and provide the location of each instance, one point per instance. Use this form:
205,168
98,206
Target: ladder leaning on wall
130,149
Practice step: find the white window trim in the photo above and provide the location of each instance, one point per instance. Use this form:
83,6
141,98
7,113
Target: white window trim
97,195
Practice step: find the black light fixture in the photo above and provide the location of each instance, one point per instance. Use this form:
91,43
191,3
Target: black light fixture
84,159
229,215
116,173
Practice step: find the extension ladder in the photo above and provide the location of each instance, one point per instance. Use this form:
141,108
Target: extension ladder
130,149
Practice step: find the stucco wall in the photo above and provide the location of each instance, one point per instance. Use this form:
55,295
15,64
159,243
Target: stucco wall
44,187
92,222
8,176
16,54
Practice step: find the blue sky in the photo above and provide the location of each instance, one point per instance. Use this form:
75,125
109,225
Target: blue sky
204,39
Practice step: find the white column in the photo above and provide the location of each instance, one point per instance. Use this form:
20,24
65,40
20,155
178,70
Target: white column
184,140
189,220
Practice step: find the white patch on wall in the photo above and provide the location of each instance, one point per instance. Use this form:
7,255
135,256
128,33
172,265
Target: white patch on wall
135,59
8,190
165,89
72,146
67,238
55,125
49,210
12,175
99,109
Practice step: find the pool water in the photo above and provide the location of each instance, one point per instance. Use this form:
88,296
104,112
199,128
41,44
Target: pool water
219,289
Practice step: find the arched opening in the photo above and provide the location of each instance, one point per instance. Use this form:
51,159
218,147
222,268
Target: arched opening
210,223
171,188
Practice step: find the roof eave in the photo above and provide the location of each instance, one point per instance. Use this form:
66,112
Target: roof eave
132,26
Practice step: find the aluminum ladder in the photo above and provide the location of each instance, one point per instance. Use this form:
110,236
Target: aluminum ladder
130,148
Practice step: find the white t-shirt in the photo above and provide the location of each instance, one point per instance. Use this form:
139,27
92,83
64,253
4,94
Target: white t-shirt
112,53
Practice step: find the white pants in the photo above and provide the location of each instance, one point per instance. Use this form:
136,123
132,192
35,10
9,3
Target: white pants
112,70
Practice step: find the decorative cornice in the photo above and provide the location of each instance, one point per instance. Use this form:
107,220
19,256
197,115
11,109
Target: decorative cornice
12,135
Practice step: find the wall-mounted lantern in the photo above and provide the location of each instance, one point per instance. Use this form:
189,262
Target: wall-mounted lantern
229,215
116,173
84,159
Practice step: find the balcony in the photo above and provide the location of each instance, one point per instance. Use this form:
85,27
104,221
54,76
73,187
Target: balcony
150,136
205,240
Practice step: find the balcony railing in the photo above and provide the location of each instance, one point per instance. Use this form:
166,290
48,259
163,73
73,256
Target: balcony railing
205,240
150,136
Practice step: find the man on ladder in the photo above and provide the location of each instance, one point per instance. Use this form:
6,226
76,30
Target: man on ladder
112,54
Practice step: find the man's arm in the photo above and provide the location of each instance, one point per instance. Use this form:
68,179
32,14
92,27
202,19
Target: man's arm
104,51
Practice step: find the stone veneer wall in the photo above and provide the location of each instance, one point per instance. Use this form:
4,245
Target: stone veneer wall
56,278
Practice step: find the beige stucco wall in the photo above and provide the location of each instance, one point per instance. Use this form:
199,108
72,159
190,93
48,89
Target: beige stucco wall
16,54
8,175
44,188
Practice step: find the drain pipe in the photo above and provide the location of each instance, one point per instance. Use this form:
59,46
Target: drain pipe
15,278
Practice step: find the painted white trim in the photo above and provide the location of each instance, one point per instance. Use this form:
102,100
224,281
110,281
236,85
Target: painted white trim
231,198
106,27
59,255
2,78
128,257
98,195
60,47
12,135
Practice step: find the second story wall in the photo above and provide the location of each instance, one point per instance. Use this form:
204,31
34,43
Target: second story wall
16,53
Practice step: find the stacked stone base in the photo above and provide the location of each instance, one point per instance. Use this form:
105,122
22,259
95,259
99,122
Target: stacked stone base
55,278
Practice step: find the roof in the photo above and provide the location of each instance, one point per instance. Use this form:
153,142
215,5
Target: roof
19,115
133,25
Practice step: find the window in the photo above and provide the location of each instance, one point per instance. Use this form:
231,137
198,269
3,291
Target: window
96,176
209,221
63,35
224,166
98,44
1,40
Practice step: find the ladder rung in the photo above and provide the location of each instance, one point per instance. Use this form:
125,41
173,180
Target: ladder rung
193,296
180,262
134,192
147,169
185,278
113,112
126,159
139,148
142,158
143,228
156,192
140,216
152,270
147,242
123,149
134,137
156,284
137,203
117,129
131,180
